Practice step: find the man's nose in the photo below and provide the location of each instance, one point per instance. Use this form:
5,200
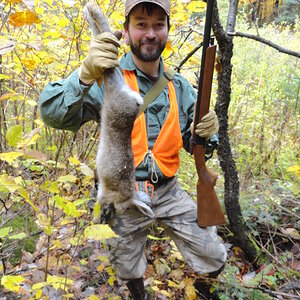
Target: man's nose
150,34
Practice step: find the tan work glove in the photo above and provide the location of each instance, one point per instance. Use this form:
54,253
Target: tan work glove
103,54
208,126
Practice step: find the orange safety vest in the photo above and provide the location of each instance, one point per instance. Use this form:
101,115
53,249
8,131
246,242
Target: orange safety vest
169,141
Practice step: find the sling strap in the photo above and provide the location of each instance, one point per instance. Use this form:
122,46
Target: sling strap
153,93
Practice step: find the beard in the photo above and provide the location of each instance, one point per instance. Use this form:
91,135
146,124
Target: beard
148,50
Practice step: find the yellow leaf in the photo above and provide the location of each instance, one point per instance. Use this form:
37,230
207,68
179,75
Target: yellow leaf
57,244
173,284
59,282
74,161
38,294
295,169
13,1
83,262
52,34
39,10
190,293
63,22
10,157
29,63
48,60
29,139
7,95
155,289
3,76
111,280
38,285
100,268
44,222
166,293
168,50
99,232
92,297
103,258
196,6
19,19
11,282
8,184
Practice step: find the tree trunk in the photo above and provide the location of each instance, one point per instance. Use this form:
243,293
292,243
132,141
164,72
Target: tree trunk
227,162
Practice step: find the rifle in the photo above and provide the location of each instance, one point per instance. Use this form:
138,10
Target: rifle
209,211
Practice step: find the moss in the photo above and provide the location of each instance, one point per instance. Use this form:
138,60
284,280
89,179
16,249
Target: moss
18,225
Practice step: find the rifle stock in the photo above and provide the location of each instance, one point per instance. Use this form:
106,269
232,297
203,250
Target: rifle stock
209,211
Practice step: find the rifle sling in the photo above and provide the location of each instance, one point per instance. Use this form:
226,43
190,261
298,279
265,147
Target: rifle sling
158,87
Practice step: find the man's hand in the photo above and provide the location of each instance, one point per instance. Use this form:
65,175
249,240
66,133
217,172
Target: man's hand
103,54
208,126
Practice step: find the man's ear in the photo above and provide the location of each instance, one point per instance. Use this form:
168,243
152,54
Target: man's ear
126,36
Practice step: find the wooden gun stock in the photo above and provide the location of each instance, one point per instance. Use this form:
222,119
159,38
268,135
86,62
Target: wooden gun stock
209,211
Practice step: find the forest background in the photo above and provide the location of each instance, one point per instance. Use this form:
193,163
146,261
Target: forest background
49,249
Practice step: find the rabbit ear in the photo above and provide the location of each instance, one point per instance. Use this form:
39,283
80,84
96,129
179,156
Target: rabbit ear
91,21
96,19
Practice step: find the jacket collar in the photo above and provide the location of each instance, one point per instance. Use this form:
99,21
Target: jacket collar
127,64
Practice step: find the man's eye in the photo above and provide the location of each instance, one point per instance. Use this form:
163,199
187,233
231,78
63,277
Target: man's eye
141,25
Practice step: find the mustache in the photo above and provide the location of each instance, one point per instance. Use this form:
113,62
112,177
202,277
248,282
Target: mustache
149,42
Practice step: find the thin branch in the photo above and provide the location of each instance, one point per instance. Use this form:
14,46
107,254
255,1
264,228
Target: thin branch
264,41
189,55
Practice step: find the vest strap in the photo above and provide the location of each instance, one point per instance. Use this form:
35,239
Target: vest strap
153,93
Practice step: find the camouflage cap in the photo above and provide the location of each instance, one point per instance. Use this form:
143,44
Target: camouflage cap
164,4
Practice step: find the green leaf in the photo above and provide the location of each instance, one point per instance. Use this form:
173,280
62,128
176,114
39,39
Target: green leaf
67,178
18,236
99,232
14,135
4,232
151,237
96,209
25,195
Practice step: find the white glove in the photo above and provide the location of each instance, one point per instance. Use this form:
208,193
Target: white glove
103,54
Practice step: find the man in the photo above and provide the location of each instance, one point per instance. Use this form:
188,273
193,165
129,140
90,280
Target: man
164,129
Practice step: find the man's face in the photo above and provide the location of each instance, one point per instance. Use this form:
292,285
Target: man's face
147,34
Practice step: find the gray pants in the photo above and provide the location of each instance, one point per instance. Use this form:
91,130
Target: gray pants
175,211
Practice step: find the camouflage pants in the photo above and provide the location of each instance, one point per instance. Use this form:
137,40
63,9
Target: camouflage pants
175,211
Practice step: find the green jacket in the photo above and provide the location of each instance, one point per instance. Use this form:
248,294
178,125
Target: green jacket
66,104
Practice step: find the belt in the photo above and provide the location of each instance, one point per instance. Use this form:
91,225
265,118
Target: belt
148,187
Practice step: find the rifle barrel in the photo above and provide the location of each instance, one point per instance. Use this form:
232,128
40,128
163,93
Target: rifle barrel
206,40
